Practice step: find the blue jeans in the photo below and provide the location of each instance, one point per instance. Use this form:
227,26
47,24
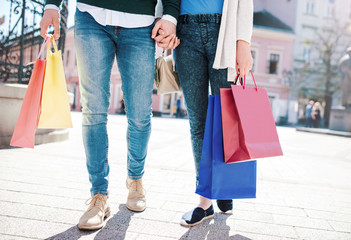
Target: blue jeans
96,47
194,57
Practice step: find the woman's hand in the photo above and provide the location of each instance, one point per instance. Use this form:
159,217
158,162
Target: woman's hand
243,58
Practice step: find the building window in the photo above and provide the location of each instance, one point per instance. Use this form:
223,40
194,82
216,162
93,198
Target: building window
310,7
330,9
273,63
253,53
307,54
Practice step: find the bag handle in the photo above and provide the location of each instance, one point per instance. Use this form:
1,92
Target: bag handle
54,43
244,83
47,41
172,58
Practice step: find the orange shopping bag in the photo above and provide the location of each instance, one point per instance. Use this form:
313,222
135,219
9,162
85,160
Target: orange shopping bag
24,133
55,109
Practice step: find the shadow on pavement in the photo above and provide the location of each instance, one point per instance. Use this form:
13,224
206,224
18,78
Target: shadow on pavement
212,230
115,228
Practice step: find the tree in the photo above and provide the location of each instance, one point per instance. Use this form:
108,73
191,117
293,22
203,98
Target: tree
321,73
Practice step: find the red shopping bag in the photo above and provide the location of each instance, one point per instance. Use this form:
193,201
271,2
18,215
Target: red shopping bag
24,133
249,130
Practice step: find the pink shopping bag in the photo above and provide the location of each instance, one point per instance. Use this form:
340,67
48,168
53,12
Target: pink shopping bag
249,130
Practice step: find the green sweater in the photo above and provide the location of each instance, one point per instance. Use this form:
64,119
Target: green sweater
146,7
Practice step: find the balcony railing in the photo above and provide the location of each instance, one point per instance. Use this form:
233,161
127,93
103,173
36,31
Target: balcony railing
20,38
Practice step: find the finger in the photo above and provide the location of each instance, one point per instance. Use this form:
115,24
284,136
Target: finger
177,43
162,45
43,29
171,43
166,40
161,32
243,72
155,29
56,29
161,38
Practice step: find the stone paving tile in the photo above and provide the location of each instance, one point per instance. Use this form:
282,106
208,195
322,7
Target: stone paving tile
264,228
318,205
246,236
308,187
267,200
243,205
10,237
253,216
45,190
313,234
40,200
30,228
280,210
27,211
152,237
302,222
178,207
156,214
329,215
145,226
340,226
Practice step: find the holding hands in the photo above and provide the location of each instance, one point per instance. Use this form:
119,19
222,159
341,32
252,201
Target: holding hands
164,34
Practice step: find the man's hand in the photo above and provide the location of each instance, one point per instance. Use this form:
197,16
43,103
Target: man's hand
164,34
50,17
243,58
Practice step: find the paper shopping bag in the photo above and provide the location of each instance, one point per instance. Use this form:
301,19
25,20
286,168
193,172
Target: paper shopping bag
249,130
218,180
24,133
55,108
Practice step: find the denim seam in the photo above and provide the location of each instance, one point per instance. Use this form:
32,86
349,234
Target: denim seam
99,192
106,161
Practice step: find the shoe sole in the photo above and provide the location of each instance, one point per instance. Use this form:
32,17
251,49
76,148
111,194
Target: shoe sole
107,214
135,209
229,212
185,224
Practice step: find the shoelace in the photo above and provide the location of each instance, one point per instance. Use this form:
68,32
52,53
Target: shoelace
94,200
136,184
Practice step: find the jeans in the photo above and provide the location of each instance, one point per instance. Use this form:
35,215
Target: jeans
96,47
194,57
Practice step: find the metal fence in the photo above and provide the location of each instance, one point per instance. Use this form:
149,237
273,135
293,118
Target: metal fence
20,41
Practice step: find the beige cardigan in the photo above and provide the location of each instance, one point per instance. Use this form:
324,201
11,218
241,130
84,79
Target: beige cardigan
237,23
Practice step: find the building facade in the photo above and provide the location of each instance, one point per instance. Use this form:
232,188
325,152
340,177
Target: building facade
271,48
307,18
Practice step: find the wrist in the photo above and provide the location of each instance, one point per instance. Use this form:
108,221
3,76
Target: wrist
243,43
52,7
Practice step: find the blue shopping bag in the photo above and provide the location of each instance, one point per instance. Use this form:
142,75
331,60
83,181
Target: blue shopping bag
218,180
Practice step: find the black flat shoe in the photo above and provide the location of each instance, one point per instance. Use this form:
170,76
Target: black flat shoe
226,206
196,216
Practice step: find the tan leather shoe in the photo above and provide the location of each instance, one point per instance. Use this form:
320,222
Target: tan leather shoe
136,198
98,210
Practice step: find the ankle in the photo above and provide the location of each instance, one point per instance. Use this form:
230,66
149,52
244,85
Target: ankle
205,203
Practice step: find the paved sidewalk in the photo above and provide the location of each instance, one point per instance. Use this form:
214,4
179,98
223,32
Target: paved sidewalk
305,194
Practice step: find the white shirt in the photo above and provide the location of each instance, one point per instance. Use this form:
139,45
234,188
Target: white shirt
116,18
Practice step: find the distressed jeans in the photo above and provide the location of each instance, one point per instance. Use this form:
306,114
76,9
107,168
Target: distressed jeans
96,47
194,57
